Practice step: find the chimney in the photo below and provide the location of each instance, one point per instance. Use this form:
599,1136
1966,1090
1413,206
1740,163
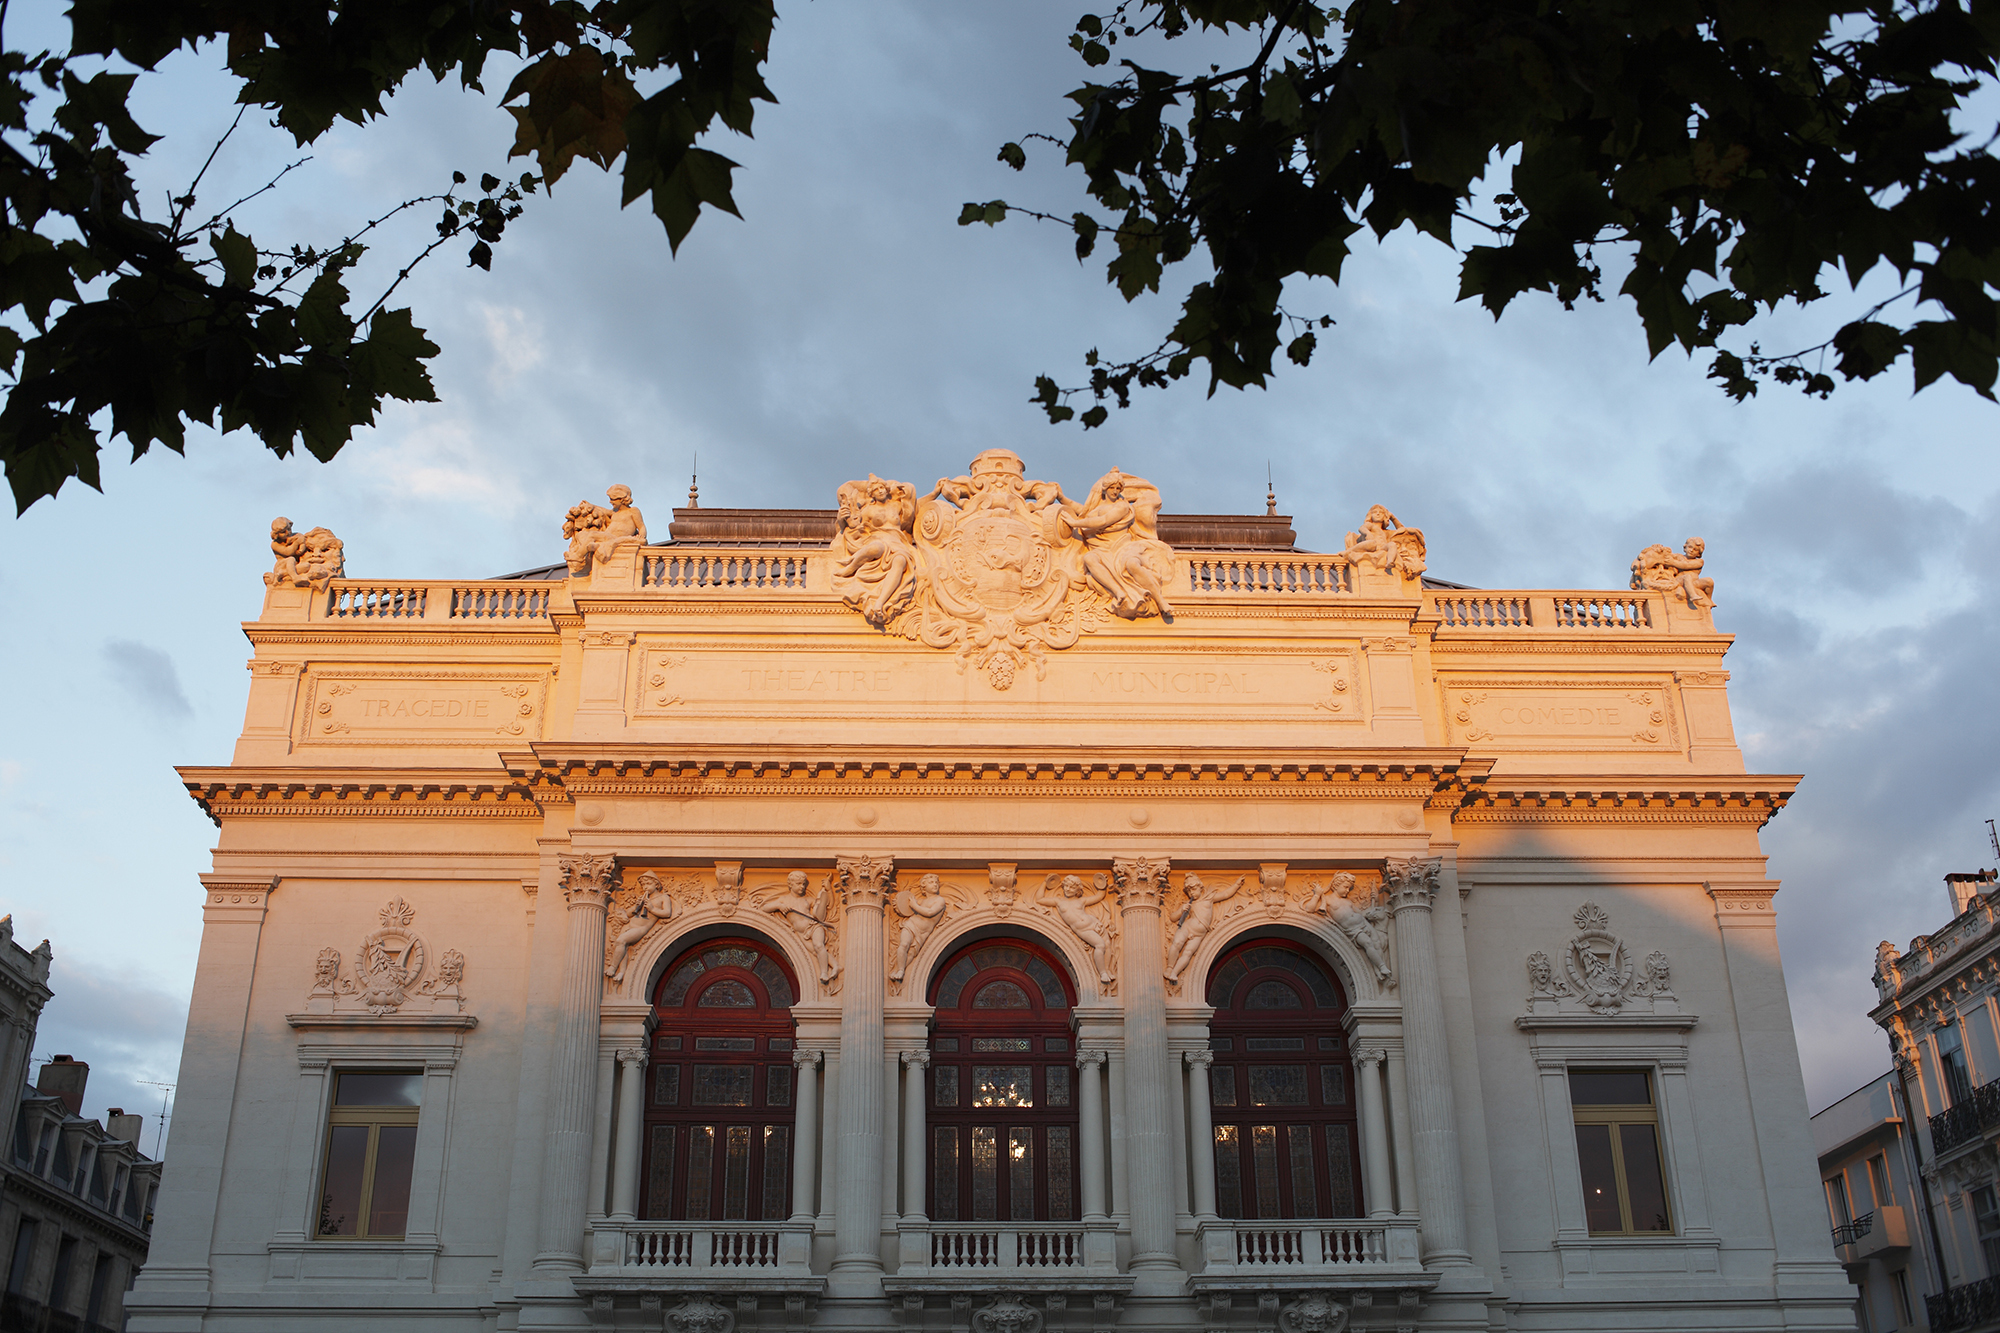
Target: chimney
118,1125
1964,886
63,1077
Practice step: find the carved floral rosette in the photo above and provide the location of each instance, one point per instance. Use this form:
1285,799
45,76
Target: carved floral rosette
1597,973
389,975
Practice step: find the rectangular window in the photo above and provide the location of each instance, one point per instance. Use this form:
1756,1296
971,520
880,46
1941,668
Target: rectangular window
777,1172
1878,1179
1836,1200
1332,1085
666,1085
1274,1043
100,1285
1003,1045
1277,1085
1903,1305
1618,1151
1021,1173
944,1168
722,1085
1062,1200
1058,1076
1340,1170
1305,1186
65,1267
1003,1085
1222,1087
1951,1056
1986,1218
371,1149
944,1086
24,1256
701,1171
1228,1172
725,1043
985,1174
777,1085
1264,1168
660,1172
736,1173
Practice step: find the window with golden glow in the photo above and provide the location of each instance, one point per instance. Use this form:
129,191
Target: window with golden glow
1618,1150
371,1148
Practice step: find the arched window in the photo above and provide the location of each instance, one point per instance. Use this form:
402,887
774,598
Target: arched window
1286,1141
1002,1088
719,1105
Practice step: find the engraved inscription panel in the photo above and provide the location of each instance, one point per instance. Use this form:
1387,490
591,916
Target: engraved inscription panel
1559,714
421,707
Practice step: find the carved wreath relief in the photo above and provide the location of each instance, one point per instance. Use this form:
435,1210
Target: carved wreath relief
1597,971
389,971
999,568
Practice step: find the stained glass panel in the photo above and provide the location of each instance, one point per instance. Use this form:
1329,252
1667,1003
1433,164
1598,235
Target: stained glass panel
1058,1076
722,1085
1277,1085
1003,1085
1228,1172
1222,1085
1274,1044
723,1043
774,981
1341,1170
777,1172
1305,1181
684,976
944,1172
1271,994
944,1091
660,1172
1004,1044
744,958
666,1085
1021,1173
777,1085
1264,1168
1000,995
1332,1085
736,1173
727,994
701,1170
985,1173
1062,1200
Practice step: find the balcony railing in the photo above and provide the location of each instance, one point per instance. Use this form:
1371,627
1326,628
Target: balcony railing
1849,1232
1963,1308
1968,1119
1311,1248
964,1249
687,1248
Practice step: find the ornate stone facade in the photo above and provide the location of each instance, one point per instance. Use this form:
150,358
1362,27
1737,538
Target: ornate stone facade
1190,875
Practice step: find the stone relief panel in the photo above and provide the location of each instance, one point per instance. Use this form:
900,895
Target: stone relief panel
425,707
915,912
1193,919
1561,714
1597,973
641,907
393,973
1088,913
809,914
997,567
1359,913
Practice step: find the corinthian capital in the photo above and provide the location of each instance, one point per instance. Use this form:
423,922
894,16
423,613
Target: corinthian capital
864,880
1412,883
592,877
1142,880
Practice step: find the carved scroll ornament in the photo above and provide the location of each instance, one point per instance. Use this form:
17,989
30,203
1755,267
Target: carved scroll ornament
999,568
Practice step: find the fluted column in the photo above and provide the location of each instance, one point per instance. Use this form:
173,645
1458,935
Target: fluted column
1433,1121
587,883
914,1065
1399,1133
857,1204
805,1134
1150,1078
631,1112
1375,1187
1201,1134
1090,1114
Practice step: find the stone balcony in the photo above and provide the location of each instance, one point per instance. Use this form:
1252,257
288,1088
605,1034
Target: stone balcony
1883,1231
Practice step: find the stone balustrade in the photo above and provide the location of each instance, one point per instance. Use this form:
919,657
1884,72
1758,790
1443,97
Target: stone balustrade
637,1248
1359,1248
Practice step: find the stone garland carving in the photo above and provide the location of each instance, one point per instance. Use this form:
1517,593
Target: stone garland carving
699,1314
1659,569
1008,1313
1598,973
810,917
304,559
1195,920
389,972
1964,1172
912,916
999,568
1081,909
1385,544
637,909
1314,1312
593,531
1358,914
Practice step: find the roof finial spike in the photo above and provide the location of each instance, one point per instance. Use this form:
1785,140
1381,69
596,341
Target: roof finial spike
1270,492
694,484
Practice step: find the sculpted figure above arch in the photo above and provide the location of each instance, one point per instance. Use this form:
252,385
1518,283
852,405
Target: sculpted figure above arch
997,567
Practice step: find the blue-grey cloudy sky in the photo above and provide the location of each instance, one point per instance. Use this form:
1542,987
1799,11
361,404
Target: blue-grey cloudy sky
848,325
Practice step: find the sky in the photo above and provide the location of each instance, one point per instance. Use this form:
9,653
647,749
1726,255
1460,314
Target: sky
846,325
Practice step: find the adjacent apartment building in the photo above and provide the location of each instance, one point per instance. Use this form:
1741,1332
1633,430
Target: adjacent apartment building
1937,1003
987,907
1876,1205
76,1195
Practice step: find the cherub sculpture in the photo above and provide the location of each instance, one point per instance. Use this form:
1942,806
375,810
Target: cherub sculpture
304,559
1362,925
914,914
811,919
1658,569
1122,551
593,530
1384,543
655,905
1197,918
875,562
1073,904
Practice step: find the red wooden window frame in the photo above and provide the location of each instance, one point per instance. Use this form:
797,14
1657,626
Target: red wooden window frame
1269,1142
973,1150
736,1156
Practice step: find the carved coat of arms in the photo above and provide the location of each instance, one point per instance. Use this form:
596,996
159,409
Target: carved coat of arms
999,568
1597,970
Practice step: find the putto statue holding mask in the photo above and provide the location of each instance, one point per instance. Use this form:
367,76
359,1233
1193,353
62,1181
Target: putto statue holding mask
1000,568
593,530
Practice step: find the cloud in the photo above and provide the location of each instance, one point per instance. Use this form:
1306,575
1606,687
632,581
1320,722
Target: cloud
148,675
128,1032
517,342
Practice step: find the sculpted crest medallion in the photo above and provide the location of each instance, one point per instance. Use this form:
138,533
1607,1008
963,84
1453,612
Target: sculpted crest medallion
997,567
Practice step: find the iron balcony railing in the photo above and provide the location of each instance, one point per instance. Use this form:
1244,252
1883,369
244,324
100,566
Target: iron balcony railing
1974,1305
1849,1232
1965,1121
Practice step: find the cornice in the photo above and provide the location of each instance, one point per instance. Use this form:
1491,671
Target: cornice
350,793
402,636
1694,799
1652,643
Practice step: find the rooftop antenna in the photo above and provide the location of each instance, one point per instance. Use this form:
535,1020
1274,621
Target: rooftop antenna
694,484
160,1134
1270,492
1993,837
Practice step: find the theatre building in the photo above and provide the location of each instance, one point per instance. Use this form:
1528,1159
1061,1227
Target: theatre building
996,909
